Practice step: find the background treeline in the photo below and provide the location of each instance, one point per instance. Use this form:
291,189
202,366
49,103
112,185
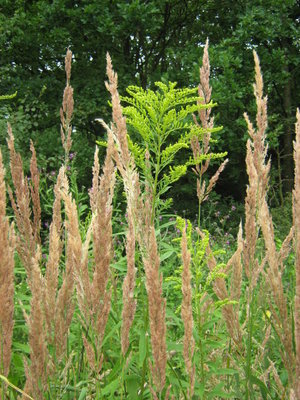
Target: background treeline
149,41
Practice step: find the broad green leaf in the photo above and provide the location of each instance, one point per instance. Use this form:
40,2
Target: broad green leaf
83,393
132,385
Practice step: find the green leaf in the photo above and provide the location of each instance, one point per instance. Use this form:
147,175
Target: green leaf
178,347
8,96
101,143
17,361
111,387
132,385
262,387
142,347
111,332
166,225
200,389
83,393
25,348
166,255
120,266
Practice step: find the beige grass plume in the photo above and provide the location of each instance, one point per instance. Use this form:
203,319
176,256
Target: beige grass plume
35,195
140,211
27,239
207,123
53,262
126,166
51,307
37,371
93,294
258,216
64,300
66,111
156,304
7,247
230,314
257,171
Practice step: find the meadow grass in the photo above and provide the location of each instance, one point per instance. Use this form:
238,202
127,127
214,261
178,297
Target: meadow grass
95,308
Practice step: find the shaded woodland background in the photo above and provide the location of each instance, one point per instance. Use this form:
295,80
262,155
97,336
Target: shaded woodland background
149,41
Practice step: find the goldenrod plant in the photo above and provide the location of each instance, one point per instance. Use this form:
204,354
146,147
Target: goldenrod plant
160,125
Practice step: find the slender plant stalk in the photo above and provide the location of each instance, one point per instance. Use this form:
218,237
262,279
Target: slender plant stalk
187,314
